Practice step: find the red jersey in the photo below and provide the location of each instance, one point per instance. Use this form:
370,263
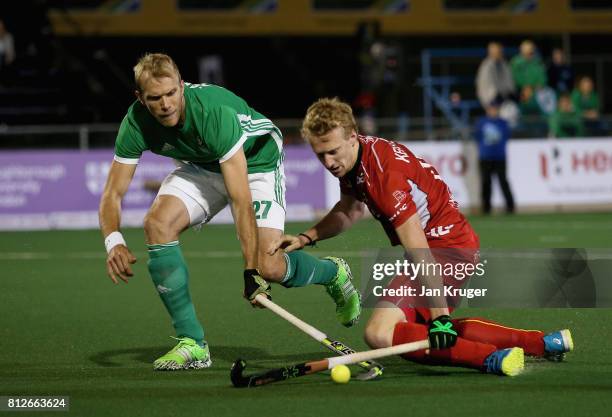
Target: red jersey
395,184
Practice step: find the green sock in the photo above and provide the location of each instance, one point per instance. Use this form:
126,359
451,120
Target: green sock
171,279
304,269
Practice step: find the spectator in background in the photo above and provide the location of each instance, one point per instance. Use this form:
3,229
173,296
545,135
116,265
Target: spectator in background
494,78
527,67
565,122
560,73
492,134
7,47
528,104
587,105
536,98
585,99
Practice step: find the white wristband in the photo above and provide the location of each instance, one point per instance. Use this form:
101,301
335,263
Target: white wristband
112,240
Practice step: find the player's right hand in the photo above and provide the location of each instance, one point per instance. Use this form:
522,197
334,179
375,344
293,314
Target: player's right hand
118,263
254,285
286,242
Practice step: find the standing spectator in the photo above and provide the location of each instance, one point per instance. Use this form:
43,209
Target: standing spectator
585,99
492,134
565,122
527,67
494,79
7,47
560,73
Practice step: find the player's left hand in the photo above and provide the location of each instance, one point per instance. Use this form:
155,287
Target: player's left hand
254,285
286,242
442,335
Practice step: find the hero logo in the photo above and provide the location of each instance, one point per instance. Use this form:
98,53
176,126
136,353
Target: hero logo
448,164
579,162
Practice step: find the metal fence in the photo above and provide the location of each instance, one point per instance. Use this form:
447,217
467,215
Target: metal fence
92,136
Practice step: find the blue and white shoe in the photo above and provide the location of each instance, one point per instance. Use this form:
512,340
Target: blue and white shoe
510,362
556,344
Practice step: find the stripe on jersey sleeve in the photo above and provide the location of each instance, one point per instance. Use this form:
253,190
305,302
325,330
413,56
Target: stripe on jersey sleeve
234,148
419,197
128,161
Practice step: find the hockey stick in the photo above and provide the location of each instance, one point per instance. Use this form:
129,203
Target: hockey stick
374,369
239,380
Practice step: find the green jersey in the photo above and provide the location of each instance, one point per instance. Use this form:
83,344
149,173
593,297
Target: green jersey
528,72
584,103
217,124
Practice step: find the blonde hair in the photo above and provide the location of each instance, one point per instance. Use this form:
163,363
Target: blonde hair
154,65
326,114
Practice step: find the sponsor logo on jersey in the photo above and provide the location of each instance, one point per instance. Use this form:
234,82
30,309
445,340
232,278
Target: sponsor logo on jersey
440,230
399,196
167,147
368,139
400,153
398,212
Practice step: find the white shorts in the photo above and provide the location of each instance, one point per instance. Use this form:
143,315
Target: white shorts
203,193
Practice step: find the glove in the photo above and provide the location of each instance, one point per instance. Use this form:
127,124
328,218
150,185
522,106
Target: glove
441,333
254,285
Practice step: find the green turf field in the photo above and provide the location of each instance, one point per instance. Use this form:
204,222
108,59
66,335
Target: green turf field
67,330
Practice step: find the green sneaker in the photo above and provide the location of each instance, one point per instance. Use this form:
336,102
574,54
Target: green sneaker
187,354
344,294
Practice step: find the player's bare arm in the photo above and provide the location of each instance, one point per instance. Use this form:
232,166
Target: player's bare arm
235,175
339,219
119,256
234,172
413,239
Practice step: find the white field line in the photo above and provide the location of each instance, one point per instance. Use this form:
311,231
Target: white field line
536,253
17,256
575,225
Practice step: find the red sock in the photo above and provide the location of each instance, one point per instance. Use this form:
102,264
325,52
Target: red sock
465,353
486,331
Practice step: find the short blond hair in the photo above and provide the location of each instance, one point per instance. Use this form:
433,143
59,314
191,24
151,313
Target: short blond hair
154,65
325,115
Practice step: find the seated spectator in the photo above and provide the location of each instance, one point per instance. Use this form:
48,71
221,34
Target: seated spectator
494,78
527,67
532,121
585,99
565,122
528,103
560,73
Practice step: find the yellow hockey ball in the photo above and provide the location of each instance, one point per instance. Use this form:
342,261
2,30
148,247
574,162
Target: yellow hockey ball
341,374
